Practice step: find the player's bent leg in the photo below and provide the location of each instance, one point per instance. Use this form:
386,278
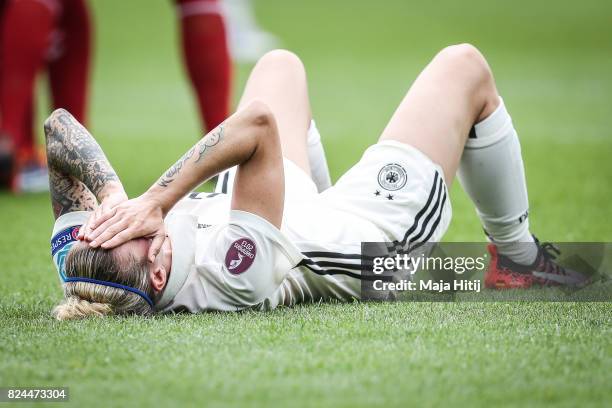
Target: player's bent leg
456,96
22,55
279,79
452,93
70,69
403,180
206,57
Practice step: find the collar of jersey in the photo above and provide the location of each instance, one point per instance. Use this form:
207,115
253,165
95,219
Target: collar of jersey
181,230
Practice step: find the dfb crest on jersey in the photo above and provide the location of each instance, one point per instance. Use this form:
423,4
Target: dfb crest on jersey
392,177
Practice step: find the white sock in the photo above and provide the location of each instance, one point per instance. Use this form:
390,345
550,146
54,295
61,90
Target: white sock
492,174
316,156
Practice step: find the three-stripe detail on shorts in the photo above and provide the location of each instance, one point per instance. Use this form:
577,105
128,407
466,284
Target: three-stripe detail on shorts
334,263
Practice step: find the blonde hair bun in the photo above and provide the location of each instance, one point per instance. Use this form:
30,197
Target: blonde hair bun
74,307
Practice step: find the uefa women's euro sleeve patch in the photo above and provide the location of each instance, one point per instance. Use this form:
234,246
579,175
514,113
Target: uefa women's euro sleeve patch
60,245
240,256
251,261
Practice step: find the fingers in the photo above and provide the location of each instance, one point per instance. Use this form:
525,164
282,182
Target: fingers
99,218
81,234
93,234
156,245
107,231
108,228
120,238
86,228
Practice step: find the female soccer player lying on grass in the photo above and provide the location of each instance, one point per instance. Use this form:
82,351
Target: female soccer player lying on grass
276,232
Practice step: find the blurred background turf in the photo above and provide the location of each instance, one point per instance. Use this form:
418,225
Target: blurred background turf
552,61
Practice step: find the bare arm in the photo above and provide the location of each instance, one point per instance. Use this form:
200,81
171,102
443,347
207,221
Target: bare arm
79,172
249,139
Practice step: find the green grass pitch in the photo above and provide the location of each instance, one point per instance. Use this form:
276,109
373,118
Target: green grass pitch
552,62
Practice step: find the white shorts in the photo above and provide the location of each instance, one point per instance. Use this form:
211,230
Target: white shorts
398,189
394,187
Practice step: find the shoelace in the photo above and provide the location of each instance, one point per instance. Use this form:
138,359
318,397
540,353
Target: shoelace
549,253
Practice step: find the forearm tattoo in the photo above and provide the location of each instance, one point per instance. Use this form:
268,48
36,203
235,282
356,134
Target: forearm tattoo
76,164
202,147
210,140
69,194
168,177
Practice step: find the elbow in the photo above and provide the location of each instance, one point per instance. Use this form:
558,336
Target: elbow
260,113
53,134
51,124
262,119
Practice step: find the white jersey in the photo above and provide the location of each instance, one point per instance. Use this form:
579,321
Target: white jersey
231,260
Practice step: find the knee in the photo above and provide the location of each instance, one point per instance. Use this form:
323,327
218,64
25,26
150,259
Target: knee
283,59
467,61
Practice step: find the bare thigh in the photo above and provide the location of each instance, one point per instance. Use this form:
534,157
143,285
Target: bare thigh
279,80
451,94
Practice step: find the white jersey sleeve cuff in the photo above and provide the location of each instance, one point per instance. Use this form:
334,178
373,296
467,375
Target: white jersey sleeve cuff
259,224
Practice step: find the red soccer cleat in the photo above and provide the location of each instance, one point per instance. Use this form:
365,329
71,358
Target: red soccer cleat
502,275
506,274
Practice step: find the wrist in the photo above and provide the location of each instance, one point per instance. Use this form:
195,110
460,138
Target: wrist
112,188
157,200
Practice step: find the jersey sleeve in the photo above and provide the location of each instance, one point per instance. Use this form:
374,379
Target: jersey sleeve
251,259
64,235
